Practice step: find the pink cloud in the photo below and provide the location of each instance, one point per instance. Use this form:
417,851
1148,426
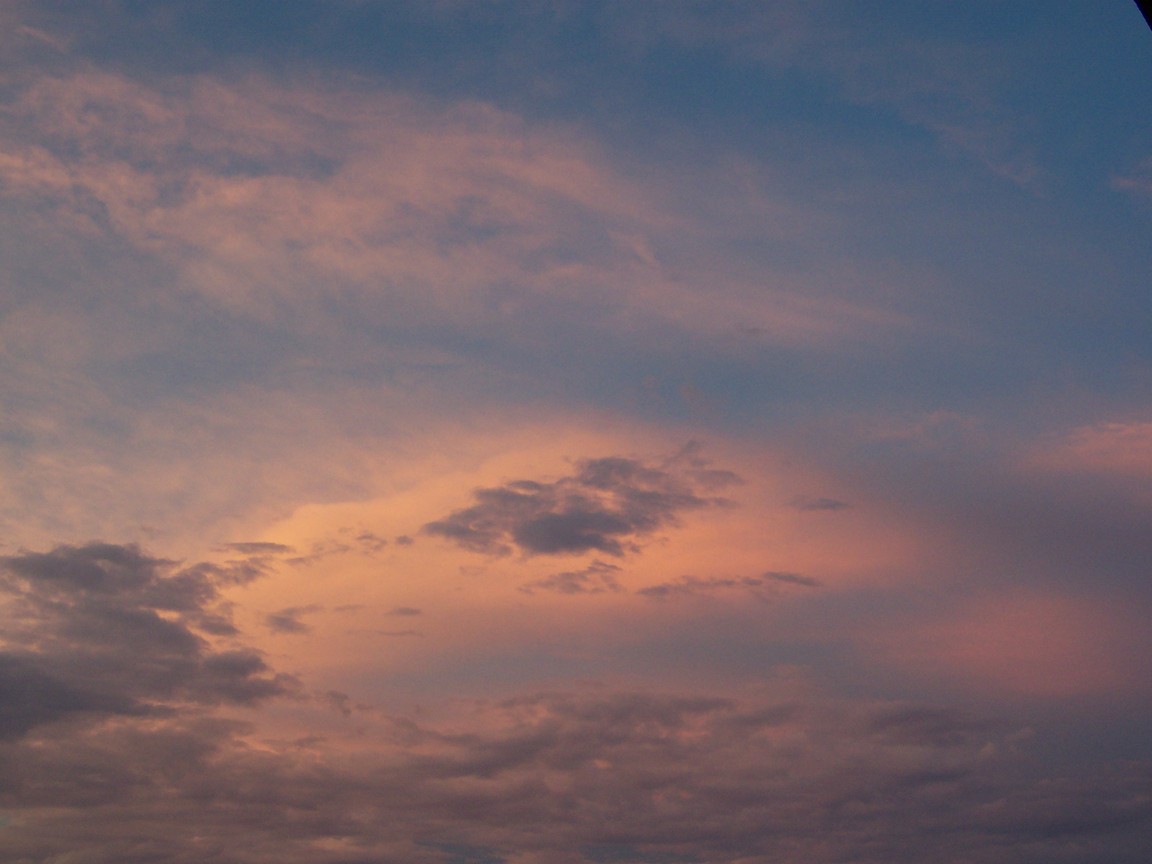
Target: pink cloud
273,199
1026,642
1116,448
1137,182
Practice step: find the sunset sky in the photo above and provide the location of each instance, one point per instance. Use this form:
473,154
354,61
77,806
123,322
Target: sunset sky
575,432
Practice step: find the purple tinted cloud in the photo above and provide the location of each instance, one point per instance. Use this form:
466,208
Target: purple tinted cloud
607,505
104,629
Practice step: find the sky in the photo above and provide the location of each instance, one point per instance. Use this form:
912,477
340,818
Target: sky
575,432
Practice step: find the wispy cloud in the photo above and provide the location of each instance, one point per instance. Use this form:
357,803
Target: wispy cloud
259,548
287,620
596,578
805,502
764,587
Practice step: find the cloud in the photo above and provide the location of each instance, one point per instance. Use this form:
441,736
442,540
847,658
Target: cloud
340,702
275,262
288,620
290,305
764,586
30,697
273,201
804,502
112,705
582,777
790,578
104,629
1014,639
608,505
1111,448
259,548
958,90
371,542
597,578
242,187
1137,182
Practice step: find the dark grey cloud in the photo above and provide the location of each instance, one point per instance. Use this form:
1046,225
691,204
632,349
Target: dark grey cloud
371,542
257,548
608,505
287,620
805,502
597,578
341,702
693,585
321,550
790,578
462,853
30,696
764,586
104,629
235,572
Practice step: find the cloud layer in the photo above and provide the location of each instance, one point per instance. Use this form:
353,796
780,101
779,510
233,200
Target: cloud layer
342,350
109,682
580,776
